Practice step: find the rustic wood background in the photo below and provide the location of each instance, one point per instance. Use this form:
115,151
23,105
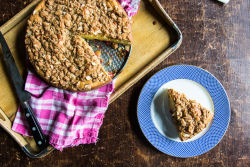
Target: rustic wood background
216,37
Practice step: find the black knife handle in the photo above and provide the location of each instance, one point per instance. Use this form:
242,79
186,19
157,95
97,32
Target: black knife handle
35,128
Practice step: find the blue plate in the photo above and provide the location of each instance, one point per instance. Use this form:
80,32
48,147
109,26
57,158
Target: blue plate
221,111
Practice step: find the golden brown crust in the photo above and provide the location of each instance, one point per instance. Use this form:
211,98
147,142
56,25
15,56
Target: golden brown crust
189,116
35,15
39,7
114,17
57,52
130,37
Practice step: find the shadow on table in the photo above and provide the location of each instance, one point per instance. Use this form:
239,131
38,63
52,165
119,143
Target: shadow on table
133,111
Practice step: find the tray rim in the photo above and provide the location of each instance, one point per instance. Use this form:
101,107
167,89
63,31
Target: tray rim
141,73
6,27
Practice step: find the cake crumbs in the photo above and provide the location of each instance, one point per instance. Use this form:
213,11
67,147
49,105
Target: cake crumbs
98,53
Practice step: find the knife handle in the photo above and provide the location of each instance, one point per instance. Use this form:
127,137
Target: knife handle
35,128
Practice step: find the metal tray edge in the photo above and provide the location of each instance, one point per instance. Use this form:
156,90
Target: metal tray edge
156,4
9,25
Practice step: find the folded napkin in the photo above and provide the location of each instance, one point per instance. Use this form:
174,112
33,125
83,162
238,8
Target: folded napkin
68,118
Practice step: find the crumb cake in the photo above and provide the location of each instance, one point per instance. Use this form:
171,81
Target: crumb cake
188,115
55,40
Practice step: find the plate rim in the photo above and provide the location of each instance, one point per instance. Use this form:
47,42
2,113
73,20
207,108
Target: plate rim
195,67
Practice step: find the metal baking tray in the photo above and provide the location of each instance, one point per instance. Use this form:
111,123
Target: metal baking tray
155,37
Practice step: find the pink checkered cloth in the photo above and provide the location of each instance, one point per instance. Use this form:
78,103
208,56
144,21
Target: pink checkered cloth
68,118
131,6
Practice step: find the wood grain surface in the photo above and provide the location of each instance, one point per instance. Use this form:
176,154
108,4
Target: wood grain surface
216,37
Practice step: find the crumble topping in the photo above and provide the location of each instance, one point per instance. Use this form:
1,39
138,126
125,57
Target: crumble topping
189,116
55,47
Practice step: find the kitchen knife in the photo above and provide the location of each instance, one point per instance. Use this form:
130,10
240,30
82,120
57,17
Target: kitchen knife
22,95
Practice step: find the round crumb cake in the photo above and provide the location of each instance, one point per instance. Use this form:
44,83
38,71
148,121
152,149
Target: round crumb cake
55,40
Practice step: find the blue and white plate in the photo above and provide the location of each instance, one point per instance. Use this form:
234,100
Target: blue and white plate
155,119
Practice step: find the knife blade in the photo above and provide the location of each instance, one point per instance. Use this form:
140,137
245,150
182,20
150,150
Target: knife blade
22,95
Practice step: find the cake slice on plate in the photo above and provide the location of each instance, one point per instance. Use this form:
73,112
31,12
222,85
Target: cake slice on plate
189,116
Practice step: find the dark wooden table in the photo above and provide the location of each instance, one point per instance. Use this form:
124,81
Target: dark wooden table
216,37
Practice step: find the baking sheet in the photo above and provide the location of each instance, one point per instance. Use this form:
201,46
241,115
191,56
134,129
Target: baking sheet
155,37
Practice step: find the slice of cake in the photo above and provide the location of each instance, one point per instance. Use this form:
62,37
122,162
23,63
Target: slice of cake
189,116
